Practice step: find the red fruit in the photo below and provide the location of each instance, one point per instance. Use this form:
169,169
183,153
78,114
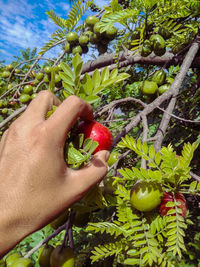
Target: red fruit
97,132
31,84
169,197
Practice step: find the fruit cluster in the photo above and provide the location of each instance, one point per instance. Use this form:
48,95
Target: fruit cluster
27,91
154,42
159,84
48,256
147,196
93,35
16,260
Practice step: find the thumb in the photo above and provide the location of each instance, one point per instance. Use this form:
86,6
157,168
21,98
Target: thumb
85,178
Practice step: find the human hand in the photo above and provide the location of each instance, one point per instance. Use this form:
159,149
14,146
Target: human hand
35,184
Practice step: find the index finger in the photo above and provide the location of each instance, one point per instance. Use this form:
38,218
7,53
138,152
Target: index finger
65,116
40,105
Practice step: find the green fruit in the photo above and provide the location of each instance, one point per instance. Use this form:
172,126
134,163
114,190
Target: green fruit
5,74
88,33
108,185
3,103
146,196
60,220
2,263
158,44
81,219
17,71
163,88
11,258
111,33
44,255
157,40
10,85
24,98
83,40
146,51
67,47
47,69
72,37
97,28
77,50
57,78
28,89
39,76
46,79
164,33
159,77
91,21
147,43
114,156
148,87
4,111
33,95
9,67
57,68
35,82
62,258
170,80
22,262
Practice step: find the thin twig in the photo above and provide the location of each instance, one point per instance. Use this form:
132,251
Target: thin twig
144,139
12,116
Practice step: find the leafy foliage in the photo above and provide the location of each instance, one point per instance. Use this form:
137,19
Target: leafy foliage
148,237
88,88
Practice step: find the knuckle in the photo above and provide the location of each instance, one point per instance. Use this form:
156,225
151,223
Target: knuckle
45,94
75,100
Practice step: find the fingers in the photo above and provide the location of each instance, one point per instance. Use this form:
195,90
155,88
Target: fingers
82,180
40,105
66,115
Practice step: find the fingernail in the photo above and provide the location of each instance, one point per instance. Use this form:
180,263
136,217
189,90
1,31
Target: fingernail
107,155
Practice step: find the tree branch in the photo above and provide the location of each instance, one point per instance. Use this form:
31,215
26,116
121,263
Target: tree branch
176,84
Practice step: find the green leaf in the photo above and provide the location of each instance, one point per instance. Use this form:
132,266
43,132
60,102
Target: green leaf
87,144
96,79
75,156
158,158
66,68
87,84
104,75
152,152
132,261
91,99
68,88
66,78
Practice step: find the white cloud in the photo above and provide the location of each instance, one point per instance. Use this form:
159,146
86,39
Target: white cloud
13,8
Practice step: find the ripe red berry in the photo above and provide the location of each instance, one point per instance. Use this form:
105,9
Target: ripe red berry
97,132
31,84
169,197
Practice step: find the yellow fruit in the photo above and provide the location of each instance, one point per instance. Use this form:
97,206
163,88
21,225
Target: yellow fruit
11,258
62,258
44,255
22,262
148,87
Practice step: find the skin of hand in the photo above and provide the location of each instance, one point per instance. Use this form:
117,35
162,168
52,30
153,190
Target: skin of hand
35,184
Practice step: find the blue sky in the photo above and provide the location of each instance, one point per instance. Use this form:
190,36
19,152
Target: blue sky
24,24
